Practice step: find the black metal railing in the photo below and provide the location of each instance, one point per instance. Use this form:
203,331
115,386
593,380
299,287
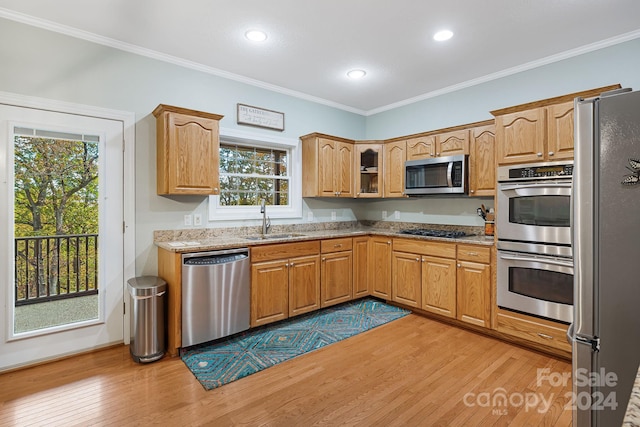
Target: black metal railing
48,268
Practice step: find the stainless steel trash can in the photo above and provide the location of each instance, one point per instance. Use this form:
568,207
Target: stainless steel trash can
147,318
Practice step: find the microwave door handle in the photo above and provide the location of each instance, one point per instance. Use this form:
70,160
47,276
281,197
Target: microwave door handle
449,173
543,261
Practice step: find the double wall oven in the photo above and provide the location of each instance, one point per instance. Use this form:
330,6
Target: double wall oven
535,264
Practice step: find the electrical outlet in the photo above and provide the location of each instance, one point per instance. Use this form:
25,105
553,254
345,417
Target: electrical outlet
197,219
397,214
333,215
309,216
384,214
187,220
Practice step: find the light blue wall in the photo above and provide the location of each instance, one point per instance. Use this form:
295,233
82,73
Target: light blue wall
616,64
41,63
45,64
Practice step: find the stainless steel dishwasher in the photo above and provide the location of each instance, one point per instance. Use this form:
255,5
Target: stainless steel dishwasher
215,295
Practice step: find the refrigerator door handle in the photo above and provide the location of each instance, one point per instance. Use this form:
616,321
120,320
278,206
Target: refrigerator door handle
570,337
593,342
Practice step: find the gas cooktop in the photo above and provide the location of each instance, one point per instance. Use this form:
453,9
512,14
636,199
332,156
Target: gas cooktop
429,232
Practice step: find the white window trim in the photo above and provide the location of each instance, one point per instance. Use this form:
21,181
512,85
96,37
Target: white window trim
294,210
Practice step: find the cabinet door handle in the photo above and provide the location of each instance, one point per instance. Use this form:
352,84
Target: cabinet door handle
338,245
539,154
291,265
287,265
324,259
388,242
418,259
459,265
472,191
551,153
545,336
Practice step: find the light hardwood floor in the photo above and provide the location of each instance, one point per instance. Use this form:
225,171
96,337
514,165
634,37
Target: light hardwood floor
411,372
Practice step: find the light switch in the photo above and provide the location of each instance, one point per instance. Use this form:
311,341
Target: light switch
187,220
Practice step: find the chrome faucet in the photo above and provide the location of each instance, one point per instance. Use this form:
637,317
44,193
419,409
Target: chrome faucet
266,221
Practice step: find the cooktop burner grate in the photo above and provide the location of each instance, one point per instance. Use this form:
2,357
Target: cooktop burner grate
429,232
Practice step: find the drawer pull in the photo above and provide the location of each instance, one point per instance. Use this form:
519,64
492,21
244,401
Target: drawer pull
338,245
472,253
545,336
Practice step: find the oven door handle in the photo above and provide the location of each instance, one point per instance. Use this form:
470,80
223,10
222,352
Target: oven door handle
543,261
517,187
540,185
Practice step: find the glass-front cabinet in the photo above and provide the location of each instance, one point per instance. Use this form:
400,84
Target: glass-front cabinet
369,170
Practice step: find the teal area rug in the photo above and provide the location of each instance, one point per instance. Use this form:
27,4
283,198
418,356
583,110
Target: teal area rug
220,363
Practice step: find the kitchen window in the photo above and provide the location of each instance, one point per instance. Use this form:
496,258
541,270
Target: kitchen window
253,168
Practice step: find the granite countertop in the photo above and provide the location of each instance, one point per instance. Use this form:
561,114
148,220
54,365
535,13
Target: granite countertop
215,239
632,417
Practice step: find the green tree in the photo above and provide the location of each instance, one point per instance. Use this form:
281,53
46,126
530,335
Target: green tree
56,193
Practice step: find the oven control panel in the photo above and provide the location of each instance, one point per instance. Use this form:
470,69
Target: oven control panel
536,171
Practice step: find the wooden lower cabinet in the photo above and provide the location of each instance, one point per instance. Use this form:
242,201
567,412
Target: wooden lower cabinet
284,288
380,266
406,282
361,276
533,329
269,292
285,281
474,293
336,274
304,285
439,285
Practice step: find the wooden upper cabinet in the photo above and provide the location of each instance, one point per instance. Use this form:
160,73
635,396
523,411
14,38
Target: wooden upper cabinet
422,147
327,166
540,130
560,131
368,170
188,160
482,161
521,136
395,154
450,143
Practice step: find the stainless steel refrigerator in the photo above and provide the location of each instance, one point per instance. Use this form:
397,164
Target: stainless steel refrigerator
606,248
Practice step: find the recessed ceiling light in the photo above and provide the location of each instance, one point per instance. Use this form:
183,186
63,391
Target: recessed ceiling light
256,35
442,35
356,74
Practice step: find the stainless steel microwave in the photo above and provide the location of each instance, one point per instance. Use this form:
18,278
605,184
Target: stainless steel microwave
438,175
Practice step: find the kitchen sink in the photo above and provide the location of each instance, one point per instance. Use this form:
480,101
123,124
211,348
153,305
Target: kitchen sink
273,236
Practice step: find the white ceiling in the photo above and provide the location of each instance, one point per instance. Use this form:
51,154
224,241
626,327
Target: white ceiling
312,44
